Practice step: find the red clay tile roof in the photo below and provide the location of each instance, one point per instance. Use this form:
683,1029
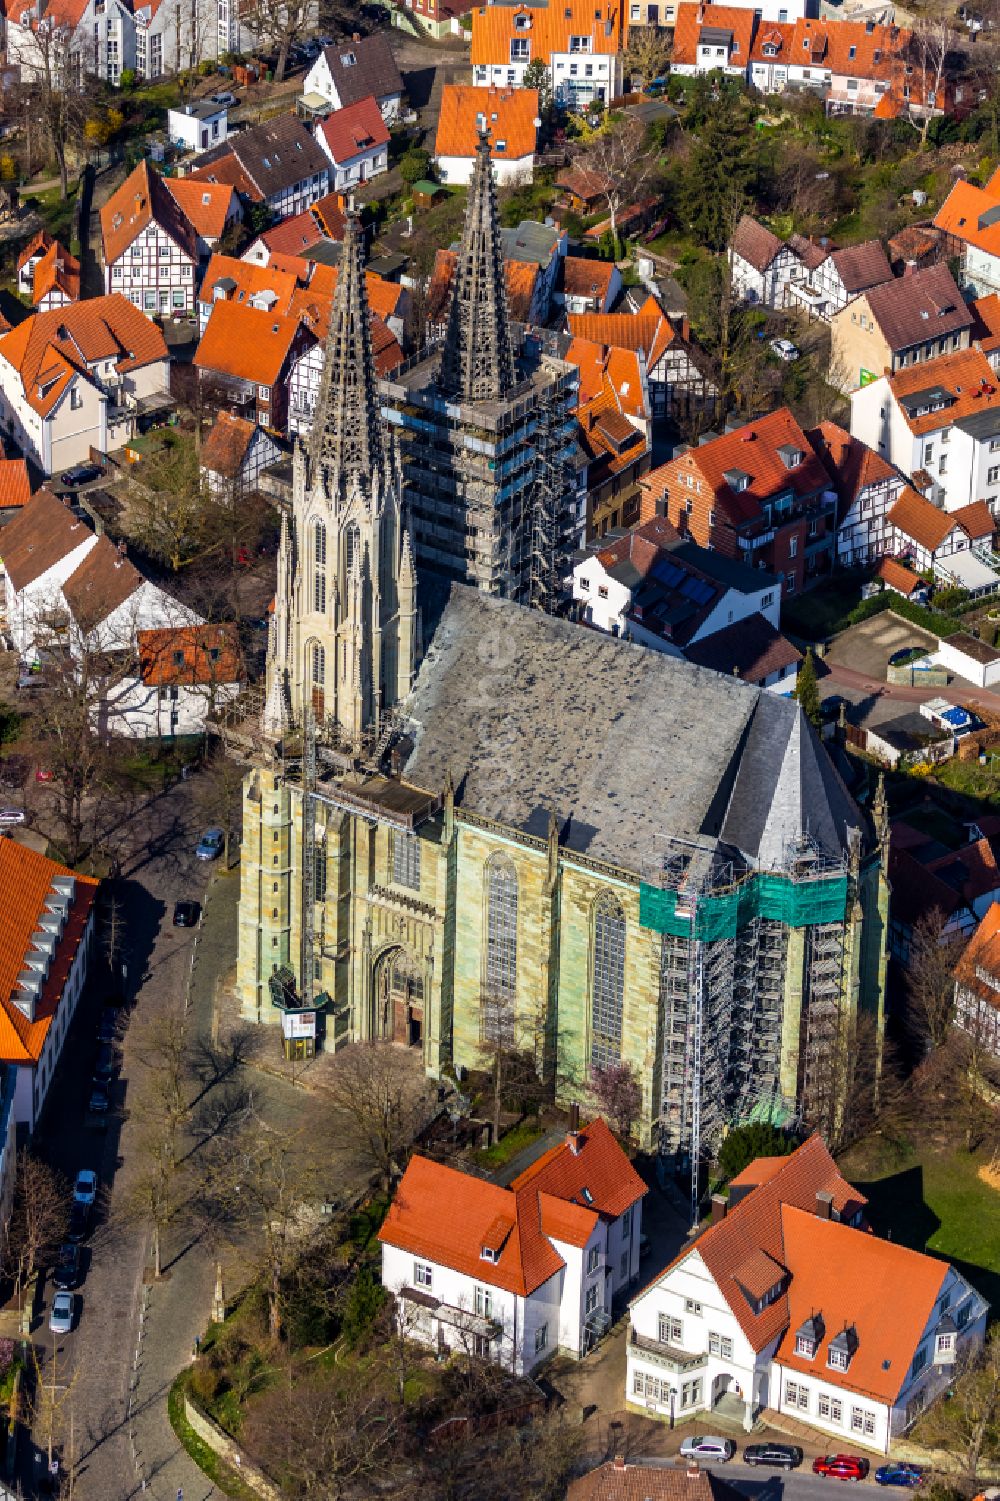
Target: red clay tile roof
693,19
245,342
25,879
507,115
649,330
851,464
861,266
620,1481
985,329
915,889
249,281
43,531
760,1170
974,870
917,518
56,270
521,278
586,278
15,486
776,34
449,1216
356,128
609,378
209,654
982,952
103,581
914,309
756,1224
966,375
273,156
754,243
969,214
548,29
977,520
37,245
751,649
898,577
225,448
584,184
142,199
206,205
228,172
809,252
881,1289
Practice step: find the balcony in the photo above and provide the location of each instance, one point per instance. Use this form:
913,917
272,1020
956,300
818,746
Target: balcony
751,544
678,1362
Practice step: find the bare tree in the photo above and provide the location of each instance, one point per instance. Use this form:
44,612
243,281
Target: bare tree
154,1200
618,1095
930,976
219,793
934,40
374,1086
647,54
48,67
621,165
278,24
967,1424
38,1219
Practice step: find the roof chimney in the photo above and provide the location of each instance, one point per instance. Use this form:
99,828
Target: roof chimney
619,1461
718,1208
909,267
573,1134
824,1204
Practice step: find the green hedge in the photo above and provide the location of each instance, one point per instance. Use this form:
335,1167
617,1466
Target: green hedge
931,620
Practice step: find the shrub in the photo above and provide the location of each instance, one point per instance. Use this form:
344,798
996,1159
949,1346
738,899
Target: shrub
745,1143
364,1302
206,1380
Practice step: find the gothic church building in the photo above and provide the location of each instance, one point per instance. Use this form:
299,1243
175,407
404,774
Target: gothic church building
468,819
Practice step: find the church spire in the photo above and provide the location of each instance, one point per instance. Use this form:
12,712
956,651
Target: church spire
478,359
346,440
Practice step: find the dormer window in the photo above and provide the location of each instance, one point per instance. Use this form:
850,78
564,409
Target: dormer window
790,456
770,50
808,1337
522,22
804,1347
736,479
488,1254
347,59
945,1341
841,1349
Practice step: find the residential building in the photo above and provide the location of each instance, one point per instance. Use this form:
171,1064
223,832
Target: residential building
356,141
712,38
441,17
581,45
787,1301
977,984
150,247
15,487
198,126
268,288
910,418
315,233
244,360
39,556
915,246
277,163
509,117
677,384
182,676
349,71
844,274
235,454
540,245
970,219
770,55
614,452
210,209
929,538
758,494
866,487
80,378
901,580
588,286
47,273
46,943
985,333
907,321
484,422
651,586
515,1275
762,266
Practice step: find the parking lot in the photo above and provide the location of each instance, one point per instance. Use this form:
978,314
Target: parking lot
866,648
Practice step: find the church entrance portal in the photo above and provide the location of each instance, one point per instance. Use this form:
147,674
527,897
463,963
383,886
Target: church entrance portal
398,999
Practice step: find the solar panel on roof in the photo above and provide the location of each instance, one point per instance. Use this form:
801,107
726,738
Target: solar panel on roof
666,572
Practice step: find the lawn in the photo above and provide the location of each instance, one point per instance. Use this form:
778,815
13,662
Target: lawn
56,212
502,1151
932,1198
971,779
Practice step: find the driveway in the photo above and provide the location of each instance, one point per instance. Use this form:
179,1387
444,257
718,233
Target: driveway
866,648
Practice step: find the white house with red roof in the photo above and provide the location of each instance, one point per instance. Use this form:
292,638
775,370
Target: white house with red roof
356,140
515,1274
788,1302
866,486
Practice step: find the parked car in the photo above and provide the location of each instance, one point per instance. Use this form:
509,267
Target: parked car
79,1221
80,474
66,1272
9,817
186,914
785,350
85,1187
104,1067
43,774
211,844
783,1456
897,1472
107,1029
841,1466
100,1098
708,1446
224,99
63,1309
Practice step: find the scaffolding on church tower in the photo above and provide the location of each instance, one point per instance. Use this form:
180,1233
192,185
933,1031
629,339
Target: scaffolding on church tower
307,918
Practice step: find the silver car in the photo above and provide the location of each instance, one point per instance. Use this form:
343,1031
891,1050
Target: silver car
61,1317
9,817
708,1447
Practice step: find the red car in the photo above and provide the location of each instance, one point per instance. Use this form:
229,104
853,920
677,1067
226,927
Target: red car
43,774
841,1466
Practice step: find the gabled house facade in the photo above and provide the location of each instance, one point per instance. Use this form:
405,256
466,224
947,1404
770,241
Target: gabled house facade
906,321
844,274
787,1302
356,141
926,536
762,266
866,487
277,163
712,39
970,219
150,248
977,984
514,1275
508,115
352,70
581,45
235,454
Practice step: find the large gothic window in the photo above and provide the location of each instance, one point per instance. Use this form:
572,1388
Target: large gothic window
352,547
319,566
317,678
501,950
608,983
406,860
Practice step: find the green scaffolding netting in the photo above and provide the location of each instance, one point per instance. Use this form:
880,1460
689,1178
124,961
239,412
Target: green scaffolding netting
798,904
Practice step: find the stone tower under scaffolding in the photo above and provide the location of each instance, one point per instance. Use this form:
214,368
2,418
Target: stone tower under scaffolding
486,431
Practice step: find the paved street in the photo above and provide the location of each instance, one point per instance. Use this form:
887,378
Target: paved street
778,1485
